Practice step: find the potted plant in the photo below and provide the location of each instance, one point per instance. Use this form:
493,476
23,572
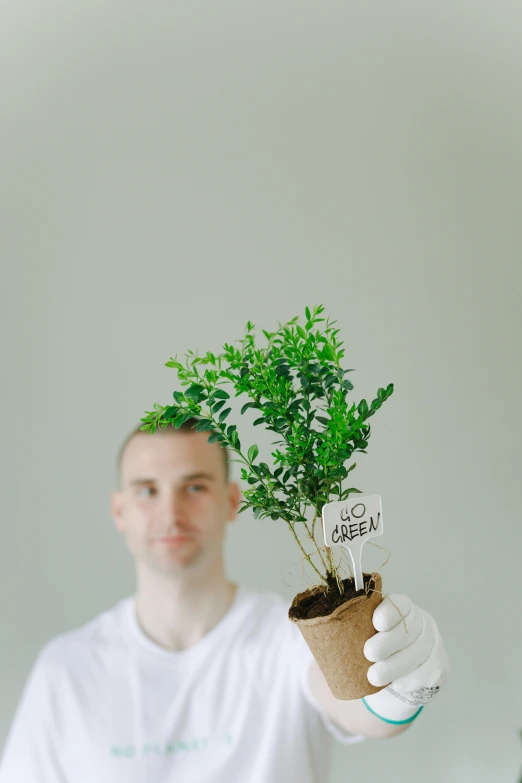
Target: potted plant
298,389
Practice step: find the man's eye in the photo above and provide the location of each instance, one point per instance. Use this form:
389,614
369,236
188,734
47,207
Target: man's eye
195,488
147,492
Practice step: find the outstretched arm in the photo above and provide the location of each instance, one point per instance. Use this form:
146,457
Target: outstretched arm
408,657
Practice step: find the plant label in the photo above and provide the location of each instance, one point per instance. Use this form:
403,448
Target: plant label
350,523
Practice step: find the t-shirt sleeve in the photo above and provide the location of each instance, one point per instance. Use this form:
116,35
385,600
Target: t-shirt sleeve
31,750
304,658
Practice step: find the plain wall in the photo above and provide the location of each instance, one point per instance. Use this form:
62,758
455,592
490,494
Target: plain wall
172,170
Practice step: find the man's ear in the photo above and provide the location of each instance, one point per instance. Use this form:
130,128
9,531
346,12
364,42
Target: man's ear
234,499
116,510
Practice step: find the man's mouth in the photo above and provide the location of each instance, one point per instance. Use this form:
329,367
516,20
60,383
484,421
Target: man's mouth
175,539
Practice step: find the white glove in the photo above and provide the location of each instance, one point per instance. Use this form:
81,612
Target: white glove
407,653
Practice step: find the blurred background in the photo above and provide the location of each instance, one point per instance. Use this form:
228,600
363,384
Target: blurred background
172,170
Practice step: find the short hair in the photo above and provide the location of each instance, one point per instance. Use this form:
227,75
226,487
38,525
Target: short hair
187,426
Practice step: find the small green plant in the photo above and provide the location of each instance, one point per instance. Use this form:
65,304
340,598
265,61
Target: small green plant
297,387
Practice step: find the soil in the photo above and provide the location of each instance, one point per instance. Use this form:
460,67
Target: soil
323,600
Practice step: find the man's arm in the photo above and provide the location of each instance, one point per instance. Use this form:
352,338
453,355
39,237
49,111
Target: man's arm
351,716
409,664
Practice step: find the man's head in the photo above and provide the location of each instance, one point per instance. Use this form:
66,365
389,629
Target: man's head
175,498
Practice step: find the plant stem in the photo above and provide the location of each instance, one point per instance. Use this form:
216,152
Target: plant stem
334,571
291,526
312,538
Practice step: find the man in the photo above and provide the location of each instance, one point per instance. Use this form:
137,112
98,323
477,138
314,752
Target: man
195,678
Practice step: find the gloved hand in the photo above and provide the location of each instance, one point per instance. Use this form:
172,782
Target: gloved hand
407,653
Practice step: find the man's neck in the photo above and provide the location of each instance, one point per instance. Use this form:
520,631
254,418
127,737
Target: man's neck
177,613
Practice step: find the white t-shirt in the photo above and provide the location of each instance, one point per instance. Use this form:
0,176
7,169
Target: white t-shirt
105,704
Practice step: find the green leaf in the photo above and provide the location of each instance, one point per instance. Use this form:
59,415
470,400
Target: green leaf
216,437
181,419
173,363
259,421
179,397
301,332
330,381
221,394
194,391
223,415
362,408
307,313
253,451
217,407
204,425
249,405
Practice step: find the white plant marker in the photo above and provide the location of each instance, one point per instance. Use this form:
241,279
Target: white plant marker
351,523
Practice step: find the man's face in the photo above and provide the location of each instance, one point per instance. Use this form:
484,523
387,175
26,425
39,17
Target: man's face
174,502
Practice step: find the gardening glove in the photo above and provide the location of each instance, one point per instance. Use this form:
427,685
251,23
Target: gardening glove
408,653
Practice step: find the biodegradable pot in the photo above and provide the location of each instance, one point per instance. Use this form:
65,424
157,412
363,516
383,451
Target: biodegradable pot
336,640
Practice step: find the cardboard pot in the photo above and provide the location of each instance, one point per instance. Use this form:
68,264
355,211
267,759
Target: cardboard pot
336,640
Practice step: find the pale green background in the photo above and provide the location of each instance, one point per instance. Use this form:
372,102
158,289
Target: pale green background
171,170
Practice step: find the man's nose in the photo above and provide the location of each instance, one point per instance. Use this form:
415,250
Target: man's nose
174,506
